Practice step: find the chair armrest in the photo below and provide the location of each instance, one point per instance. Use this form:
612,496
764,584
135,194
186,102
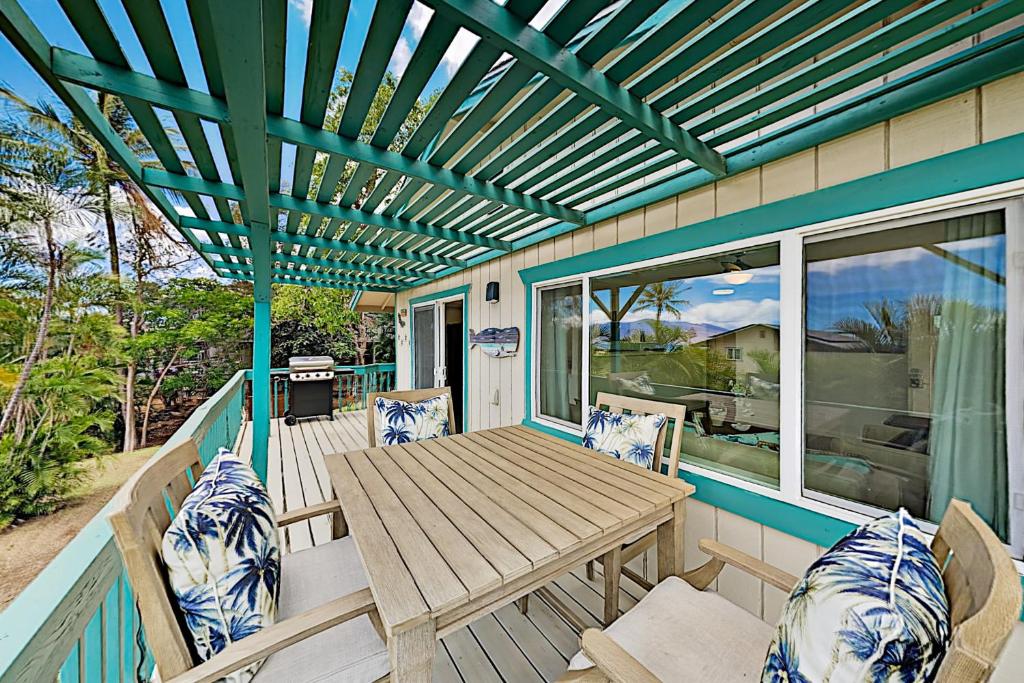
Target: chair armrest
773,576
267,641
613,661
292,516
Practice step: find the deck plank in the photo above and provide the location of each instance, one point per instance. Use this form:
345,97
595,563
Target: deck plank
306,445
543,655
470,659
505,655
300,536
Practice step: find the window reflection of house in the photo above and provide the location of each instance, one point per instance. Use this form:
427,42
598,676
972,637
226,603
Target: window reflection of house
737,345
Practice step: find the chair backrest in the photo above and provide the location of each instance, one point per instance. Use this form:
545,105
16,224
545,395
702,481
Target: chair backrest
410,396
984,592
139,520
643,406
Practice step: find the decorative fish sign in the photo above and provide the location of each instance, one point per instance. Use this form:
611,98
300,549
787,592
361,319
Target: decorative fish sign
496,342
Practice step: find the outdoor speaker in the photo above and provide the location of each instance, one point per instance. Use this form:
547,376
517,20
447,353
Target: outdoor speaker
492,292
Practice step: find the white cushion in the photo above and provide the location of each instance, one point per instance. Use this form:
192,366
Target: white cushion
681,633
626,437
871,608
402,422
351,652
223,560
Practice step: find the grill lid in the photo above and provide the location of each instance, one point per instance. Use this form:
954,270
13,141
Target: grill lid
310,364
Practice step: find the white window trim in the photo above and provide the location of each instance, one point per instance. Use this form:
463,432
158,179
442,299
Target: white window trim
1005,196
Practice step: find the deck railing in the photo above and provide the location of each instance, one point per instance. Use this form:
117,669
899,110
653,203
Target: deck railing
352,383
77,621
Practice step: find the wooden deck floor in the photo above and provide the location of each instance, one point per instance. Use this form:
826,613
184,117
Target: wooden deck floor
504,646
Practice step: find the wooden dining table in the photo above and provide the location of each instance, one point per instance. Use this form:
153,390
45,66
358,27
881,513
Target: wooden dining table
451,529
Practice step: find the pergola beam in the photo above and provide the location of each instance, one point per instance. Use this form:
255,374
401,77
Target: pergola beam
82,70
306,282
505,30
238,26
366,249
186,183
290,238
312,275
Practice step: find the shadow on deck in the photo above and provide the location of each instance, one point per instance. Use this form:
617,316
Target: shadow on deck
504,646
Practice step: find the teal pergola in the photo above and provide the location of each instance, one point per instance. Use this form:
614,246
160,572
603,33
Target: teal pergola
544,127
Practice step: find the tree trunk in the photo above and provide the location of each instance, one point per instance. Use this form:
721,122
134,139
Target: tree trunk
115,257
152,395
129,408
41,331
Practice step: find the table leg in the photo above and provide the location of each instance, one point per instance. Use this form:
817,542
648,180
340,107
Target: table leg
411,653
670,543
612,562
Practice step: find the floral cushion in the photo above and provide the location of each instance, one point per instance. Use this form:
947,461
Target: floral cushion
223,560
627,437
872,608
402,422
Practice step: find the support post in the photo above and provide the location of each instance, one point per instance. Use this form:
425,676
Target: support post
259,242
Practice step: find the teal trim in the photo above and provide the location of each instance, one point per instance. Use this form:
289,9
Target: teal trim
427,298
261,387
540,427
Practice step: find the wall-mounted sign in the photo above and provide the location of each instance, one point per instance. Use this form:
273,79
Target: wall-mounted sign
496,342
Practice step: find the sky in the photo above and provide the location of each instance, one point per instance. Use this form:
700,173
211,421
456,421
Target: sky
733,306
837,288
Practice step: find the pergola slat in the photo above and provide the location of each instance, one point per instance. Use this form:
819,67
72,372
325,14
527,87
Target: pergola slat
89,21
326,29
533,47
187,183
80,69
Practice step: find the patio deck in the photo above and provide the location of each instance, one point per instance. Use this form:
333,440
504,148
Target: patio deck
504,646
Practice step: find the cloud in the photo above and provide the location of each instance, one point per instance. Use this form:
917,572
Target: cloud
729,314
545,13
419,17
734,313
456,54
400,58
304,8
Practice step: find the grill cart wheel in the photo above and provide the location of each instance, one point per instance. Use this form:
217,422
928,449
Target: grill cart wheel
290,420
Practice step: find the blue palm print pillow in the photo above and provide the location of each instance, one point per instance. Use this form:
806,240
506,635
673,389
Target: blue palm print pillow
403,422
872,609
223,560
627,437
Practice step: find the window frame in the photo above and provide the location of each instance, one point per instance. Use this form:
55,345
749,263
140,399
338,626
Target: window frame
1008,198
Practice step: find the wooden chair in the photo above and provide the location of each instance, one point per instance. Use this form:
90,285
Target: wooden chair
981,582
614,560
410,396
327,619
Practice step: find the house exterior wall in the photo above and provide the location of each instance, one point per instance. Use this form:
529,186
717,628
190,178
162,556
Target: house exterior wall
971,118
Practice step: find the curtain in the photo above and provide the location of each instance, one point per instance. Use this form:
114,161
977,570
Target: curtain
561,341
967,444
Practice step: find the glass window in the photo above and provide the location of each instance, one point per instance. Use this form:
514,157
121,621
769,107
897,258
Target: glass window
560,372
705,334
904,367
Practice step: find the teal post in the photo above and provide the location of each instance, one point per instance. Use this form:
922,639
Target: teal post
259,242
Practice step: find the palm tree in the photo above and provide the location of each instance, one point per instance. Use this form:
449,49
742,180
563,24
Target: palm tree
40,208
46,126
662,297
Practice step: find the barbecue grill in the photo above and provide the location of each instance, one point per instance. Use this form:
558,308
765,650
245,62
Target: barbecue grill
311,386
